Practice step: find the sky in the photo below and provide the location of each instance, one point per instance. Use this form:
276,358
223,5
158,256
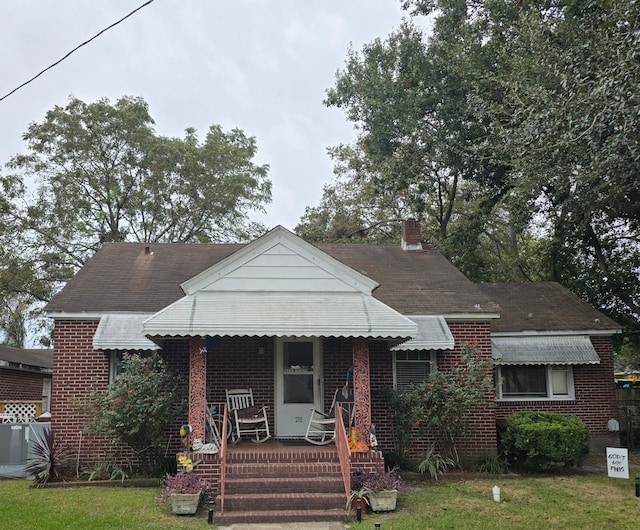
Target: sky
260,65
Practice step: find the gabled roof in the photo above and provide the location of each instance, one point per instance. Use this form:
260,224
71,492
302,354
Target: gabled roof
36,358
122,277
279,285
534,307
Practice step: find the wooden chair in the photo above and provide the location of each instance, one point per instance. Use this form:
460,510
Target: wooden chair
321,429
248,418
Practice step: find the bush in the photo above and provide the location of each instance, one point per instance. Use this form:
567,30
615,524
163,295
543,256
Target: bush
539,440
137,407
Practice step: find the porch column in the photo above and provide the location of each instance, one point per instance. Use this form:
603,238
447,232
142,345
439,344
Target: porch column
197,386
362,388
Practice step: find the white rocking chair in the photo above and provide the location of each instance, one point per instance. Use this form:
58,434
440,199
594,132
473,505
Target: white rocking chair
248,419
321,429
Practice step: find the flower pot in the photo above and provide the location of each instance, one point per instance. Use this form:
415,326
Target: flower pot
185,503
364,507
383,501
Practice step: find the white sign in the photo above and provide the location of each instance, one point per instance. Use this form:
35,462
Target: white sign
618,462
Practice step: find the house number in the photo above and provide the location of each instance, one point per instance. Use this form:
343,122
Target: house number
298,419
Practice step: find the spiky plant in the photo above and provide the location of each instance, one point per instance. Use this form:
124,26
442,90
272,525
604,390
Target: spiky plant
50,457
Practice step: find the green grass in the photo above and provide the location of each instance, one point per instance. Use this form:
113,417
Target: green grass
88,508
585,501
555,502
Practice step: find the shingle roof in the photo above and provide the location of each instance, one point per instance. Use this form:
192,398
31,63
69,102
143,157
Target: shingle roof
123,277
543,306
42,358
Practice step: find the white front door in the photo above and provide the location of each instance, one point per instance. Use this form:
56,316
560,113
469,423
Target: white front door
298,384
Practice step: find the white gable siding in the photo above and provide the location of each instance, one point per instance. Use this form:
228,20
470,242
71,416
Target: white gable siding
279,269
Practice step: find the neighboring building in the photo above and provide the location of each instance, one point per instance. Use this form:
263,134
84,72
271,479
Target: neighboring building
25,383
288,318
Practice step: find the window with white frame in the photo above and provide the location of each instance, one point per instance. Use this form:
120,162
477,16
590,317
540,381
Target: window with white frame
522,382
412,367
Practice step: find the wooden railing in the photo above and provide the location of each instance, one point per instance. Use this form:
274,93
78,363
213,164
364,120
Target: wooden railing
223,456
344,454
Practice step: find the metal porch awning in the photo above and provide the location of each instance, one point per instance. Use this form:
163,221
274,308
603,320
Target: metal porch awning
543,350
433,334
122,332
280,314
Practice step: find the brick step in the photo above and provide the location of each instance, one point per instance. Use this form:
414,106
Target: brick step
264,502
280,516
237,485
282,456
283,470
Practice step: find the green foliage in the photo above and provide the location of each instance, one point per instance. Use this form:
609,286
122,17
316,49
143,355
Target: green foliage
98,172
434,464
137,407
538,440
492,464
442,405
108,469
511,133
50,459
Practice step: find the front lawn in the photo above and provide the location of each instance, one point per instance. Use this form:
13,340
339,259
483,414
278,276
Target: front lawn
580,500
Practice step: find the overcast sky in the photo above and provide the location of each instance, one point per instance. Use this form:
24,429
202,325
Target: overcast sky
260,65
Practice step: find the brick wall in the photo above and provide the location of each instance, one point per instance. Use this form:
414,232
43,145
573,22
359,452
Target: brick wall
21,385
77,368
595,395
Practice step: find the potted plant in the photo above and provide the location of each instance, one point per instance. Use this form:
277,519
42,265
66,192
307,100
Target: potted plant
383,489
358,492
183,490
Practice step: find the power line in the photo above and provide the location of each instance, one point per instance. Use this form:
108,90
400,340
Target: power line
75,49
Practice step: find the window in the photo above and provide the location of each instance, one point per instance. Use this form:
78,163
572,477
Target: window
115,365
534,382
412,367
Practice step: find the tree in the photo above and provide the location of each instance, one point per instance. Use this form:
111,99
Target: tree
102,174
511,132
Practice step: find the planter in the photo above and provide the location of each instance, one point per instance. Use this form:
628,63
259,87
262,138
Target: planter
383,501
185,503
364,507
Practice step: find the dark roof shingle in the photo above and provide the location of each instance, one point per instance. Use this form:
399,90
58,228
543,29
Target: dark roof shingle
543,306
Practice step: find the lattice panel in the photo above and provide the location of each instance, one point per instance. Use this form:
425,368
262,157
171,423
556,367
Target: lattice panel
21,412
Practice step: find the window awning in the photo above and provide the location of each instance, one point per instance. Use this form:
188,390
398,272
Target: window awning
543,350
122,332
293,314
433,334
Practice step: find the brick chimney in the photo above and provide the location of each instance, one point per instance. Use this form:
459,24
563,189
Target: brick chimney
411,236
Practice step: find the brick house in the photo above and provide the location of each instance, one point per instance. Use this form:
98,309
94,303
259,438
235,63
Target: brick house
229,315
25,382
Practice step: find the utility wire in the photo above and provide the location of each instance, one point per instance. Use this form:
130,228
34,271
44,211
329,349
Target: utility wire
75,49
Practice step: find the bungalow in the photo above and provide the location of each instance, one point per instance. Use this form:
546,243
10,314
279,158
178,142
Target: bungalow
286,318
25,383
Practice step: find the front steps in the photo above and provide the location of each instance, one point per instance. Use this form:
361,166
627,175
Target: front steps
284,484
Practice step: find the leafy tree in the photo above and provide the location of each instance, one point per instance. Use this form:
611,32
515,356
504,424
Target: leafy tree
511,133
137,407
101,173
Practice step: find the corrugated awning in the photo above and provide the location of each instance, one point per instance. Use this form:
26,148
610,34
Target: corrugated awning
433,334
544,350
279,314
122,332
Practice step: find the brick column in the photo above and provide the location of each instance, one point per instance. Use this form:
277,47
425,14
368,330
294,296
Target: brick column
197,386
362,388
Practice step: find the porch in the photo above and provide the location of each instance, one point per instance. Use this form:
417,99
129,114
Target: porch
282,480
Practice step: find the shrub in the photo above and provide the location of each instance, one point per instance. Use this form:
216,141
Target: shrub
136,408
50,457
539,440
434,464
